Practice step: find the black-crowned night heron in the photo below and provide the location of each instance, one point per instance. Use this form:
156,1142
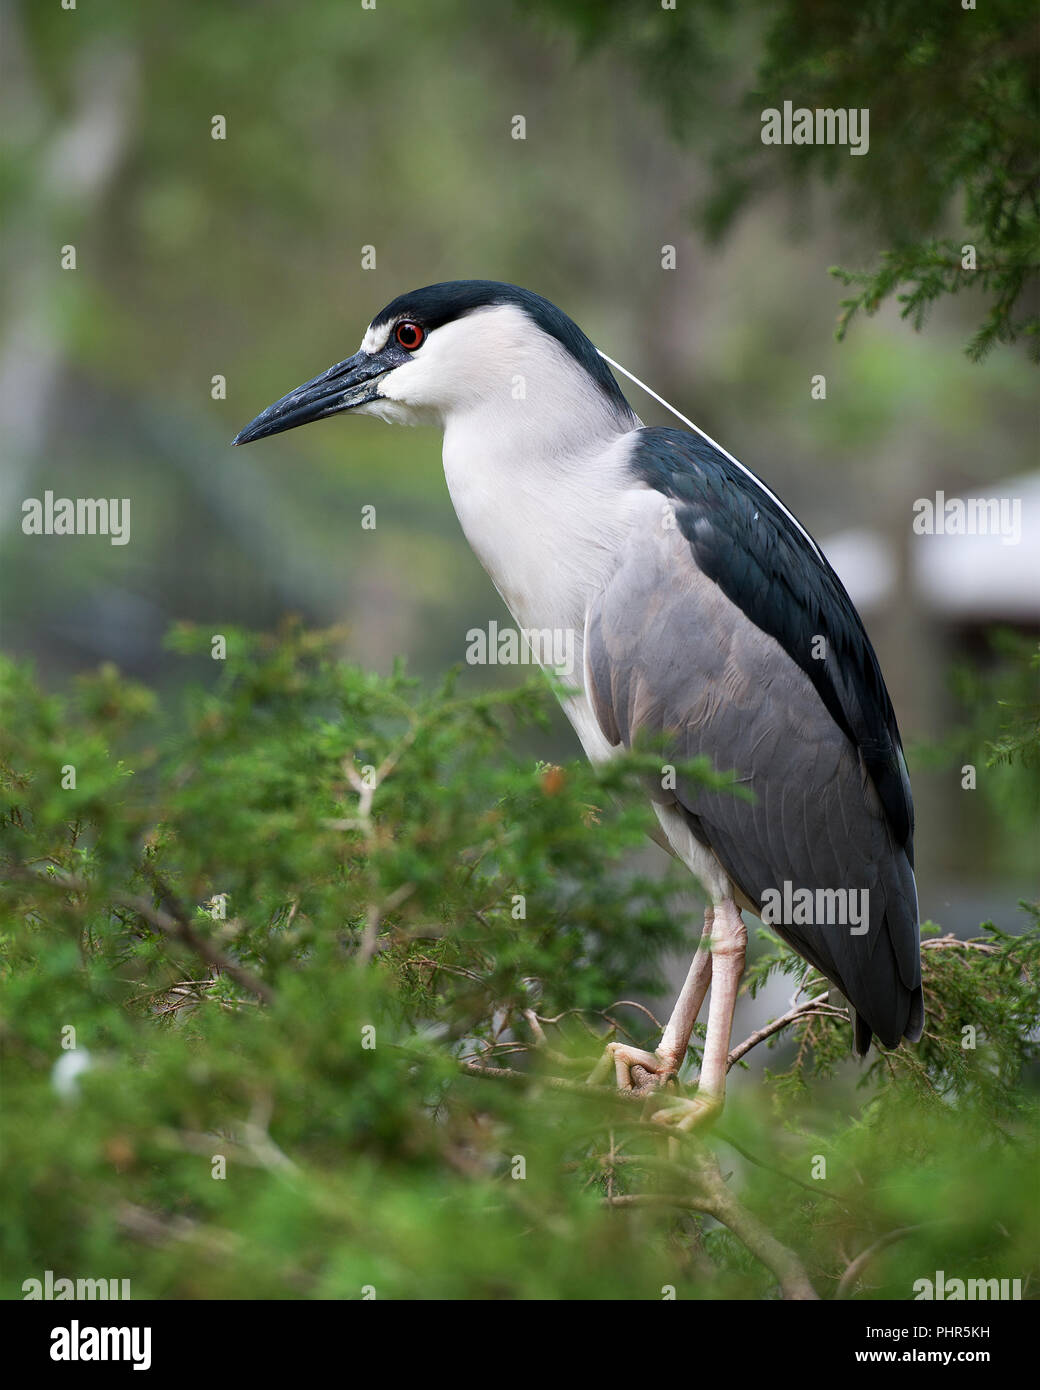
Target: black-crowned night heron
702,613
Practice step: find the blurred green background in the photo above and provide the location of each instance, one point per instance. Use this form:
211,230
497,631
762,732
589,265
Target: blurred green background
391,128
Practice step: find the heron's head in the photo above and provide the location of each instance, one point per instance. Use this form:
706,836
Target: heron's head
456,347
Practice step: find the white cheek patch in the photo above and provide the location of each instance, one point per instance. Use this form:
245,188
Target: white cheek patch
375,339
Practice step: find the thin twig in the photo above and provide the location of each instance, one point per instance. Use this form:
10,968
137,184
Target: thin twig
809,1008
542,1042
780,1172
661,1199
938,943
716,1200
861,1261
374,918
176,924
554,1083
183,931
174,912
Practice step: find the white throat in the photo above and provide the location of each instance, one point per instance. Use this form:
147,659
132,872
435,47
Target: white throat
535,467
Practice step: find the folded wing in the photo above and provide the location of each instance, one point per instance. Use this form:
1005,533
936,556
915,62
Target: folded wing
724,631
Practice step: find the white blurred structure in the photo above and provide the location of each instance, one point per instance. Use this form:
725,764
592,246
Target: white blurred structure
959,578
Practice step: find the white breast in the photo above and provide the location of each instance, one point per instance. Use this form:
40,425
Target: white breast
549,532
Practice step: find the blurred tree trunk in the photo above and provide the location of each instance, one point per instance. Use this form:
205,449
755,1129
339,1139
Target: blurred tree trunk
71,164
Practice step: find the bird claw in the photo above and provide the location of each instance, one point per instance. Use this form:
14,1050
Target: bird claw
642,1073
637,1072
687,1114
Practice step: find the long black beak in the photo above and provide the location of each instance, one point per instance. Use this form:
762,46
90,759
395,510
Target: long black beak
348,384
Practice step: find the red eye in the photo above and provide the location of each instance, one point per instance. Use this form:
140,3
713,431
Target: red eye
409,334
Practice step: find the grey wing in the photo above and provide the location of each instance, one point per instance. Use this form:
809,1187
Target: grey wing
668,654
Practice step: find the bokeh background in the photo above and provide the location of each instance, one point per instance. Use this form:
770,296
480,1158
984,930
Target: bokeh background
392,128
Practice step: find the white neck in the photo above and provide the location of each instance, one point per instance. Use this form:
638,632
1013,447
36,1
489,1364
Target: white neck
544,523
534,453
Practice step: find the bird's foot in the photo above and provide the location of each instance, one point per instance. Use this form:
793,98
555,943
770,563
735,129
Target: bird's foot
689,1113
638,1073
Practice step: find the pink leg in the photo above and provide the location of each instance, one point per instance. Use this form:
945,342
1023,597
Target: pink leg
728,951
637,1070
